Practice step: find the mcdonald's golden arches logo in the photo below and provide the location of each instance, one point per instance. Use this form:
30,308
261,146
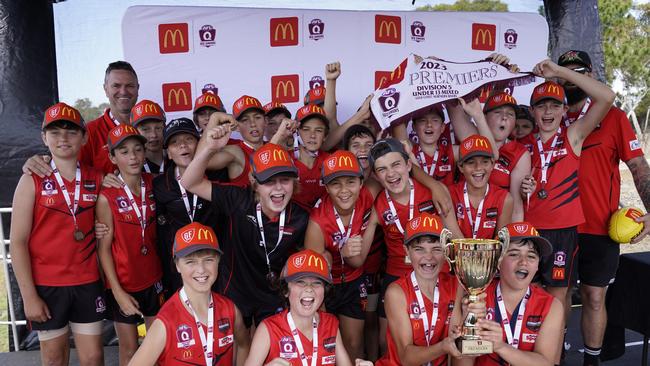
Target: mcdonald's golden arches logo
285,88
388,29
173,38
484,37
205,234
345,161
177,96
553,89
430,222
283,32
280,155
316,262
150,108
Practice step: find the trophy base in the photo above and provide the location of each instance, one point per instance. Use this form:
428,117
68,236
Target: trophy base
474,346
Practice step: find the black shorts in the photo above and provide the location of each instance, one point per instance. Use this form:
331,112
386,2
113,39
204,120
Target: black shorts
78,304
560,268
348,298
150,300
254,311
385,282
597,259
373,282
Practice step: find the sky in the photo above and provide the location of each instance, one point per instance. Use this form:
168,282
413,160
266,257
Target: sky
88,32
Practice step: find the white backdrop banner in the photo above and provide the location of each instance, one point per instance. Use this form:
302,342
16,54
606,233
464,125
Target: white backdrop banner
279,54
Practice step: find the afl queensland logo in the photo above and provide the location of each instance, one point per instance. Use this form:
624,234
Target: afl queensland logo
417,31
388,101
316,29
510,39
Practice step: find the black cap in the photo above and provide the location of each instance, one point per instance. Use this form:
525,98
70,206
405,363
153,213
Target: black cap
575,57
385,146
179,125
523,112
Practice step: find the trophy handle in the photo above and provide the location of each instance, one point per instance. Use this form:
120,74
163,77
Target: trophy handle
504,238
445,239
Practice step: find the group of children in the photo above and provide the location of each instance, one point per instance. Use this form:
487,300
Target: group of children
283,226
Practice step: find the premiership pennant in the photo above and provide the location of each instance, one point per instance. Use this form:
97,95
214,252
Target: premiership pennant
419,83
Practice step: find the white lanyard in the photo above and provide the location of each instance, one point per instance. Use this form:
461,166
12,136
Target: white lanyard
142,216
77,189
296,338
479,211
160,170
345,238
261,227
248,145
110,114
428,331
394,212
568,121
206,342
423,161
546,157
186,201
296,145
512,340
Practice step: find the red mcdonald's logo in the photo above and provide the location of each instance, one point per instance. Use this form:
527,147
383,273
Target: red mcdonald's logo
285,88
283,32
388,29
177,96
173,38
484,37
381,79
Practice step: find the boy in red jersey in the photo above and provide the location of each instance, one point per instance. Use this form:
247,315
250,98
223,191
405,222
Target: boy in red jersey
196,325
481,207
128,252
149,119
52,245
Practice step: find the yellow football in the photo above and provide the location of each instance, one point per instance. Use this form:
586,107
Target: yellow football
622,225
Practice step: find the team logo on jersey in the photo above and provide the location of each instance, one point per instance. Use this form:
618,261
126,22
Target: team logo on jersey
90,185
560,259
534,322
122,204
388,217
426,206
328,360
50,201
492,212
49,188
223,324
288,348
226,340
86,197
558,273
329,344
460,211
444,168
316,29
528,337
187,354
184,336
635,145
415,311
100,305
489,313
207,34
489,224
337,238
252,219
158,287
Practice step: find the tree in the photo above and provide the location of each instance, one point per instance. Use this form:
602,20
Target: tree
87,110
468,5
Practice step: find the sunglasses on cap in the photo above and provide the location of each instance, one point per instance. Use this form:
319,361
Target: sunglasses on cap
581,70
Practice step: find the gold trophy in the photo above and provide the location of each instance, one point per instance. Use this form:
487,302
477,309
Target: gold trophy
475,263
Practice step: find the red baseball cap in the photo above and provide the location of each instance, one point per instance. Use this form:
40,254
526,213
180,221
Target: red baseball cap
208,99
341,163
63,112
146,110
120,133
271,160
194,237
278,107
309,111
475,145
245,103
423,225
548,90
306,263
315,96
525,231
499,100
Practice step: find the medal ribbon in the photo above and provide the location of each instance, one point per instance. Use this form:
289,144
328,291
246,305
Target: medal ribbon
568,121
513,340
110,115
261,227
428,331
142,216
546,157
423,161
186,201
64,191
394,212
206,342
296,338
344,240
160,170
479,211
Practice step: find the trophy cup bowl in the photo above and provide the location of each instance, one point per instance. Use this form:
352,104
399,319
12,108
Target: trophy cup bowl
475,263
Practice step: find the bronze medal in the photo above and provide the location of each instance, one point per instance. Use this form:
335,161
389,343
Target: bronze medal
79,235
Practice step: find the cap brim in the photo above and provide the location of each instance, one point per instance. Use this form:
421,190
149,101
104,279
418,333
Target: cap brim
475,153
299,275
222,109
248,109
269,173
121,141
533,103
195,248
544,246
192,132
513,105
408,240
316,115
279,110
148,118
82,126
343,173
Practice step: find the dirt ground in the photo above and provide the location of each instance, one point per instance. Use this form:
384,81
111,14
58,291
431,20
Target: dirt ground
629,197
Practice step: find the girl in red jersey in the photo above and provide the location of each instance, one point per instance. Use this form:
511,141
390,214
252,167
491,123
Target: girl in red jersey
302,335
52,245
336,227
128,252
420,307
522,321
481,207
196,326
